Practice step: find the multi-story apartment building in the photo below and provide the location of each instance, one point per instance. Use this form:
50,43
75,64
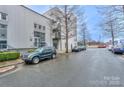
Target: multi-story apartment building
59,32
21,27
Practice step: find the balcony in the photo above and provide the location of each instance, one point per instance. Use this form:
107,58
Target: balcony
3,18
56,35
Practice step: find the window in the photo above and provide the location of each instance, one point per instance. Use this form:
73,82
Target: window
36,34
39,40
35,25
40,35
3,44
44,27
35,42
3,26
39,26
68,18
3,16
3,31
47,50
3,35
43,36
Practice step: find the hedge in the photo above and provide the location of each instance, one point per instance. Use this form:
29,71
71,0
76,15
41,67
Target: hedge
31,50
5,56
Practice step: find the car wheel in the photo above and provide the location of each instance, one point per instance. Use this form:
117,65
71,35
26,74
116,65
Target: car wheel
36,60
53,56
114,52
26,62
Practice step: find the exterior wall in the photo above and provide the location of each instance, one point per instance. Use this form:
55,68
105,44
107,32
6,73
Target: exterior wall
71,44
20,29
72,40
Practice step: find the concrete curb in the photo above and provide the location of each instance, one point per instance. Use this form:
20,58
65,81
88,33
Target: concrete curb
11,64
8,68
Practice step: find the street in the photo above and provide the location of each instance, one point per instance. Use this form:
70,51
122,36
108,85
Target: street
92,68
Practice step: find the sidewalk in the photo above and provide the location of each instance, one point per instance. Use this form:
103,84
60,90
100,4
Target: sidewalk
9,65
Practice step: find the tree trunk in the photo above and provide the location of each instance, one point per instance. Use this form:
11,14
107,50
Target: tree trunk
123,8
112,34
84,39
66,28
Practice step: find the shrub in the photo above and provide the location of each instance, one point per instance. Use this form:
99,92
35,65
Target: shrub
31,50
4,56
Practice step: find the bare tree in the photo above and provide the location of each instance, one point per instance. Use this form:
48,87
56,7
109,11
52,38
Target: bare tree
67,17
82,23
110,21
67,14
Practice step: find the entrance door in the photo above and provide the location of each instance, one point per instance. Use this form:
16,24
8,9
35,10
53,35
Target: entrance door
55,43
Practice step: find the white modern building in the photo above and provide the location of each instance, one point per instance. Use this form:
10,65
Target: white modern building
59,38
22,28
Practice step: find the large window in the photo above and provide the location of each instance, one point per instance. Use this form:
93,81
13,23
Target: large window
3,36
3,44
39,39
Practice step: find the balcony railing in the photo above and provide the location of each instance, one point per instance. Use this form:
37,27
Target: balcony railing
56,35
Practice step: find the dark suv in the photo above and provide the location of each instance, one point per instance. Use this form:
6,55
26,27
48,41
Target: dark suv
39,54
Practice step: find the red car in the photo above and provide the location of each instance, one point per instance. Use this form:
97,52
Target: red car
101,46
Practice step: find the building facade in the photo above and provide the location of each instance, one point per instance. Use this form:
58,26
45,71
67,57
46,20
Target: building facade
21,27
59,32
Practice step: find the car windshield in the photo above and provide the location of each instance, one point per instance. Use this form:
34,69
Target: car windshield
39,50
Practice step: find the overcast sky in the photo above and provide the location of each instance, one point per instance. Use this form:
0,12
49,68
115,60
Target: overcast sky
93,19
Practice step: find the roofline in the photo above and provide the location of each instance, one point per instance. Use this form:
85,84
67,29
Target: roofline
60,11
35,12
53,9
